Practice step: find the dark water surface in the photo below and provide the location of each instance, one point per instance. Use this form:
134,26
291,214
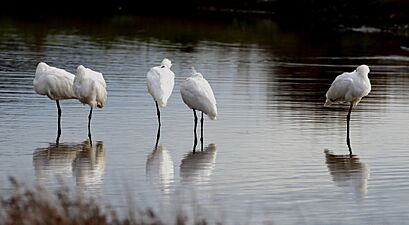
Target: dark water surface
266,157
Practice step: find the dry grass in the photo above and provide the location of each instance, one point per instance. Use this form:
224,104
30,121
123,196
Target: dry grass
36,206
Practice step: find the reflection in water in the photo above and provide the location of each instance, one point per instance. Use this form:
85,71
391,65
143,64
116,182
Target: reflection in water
347,171
89,165
84,162
159,168
54,161
197,167
157,136
271,83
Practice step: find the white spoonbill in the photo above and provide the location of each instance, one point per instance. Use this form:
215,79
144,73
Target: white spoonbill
57,84
160,82
198,95
90,88
349,88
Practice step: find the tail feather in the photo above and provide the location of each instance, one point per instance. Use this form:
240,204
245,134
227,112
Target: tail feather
328,103
212,114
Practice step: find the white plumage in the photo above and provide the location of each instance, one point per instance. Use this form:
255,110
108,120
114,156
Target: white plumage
160,81
197,94
349,88
57,84
90,88
54,82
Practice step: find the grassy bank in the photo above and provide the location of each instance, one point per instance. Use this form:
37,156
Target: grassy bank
37,206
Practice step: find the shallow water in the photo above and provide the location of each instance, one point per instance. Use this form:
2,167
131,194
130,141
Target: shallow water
274,154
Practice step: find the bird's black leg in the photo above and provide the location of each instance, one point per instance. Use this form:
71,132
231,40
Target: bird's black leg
194,130
158,133
158,113
89,126
59,122
348,119
201,132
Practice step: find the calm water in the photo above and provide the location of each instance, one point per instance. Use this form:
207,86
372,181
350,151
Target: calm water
274,154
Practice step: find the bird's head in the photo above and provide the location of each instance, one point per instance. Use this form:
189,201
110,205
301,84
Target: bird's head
166,62
195,73
80,69
42,67
363,69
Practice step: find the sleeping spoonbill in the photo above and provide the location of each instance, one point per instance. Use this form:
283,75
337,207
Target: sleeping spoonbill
57,84
349,88
160,82
90,88
198,95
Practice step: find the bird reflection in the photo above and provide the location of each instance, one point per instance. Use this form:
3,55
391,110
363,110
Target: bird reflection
347,171
79,160
159,168
157,137
197,167
54,161
89,165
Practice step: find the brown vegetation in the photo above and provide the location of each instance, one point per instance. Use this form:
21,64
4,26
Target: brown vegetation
37,206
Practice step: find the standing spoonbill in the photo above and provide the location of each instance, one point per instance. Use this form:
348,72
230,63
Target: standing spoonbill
349,88
90,88
198,95
160,82
57,84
